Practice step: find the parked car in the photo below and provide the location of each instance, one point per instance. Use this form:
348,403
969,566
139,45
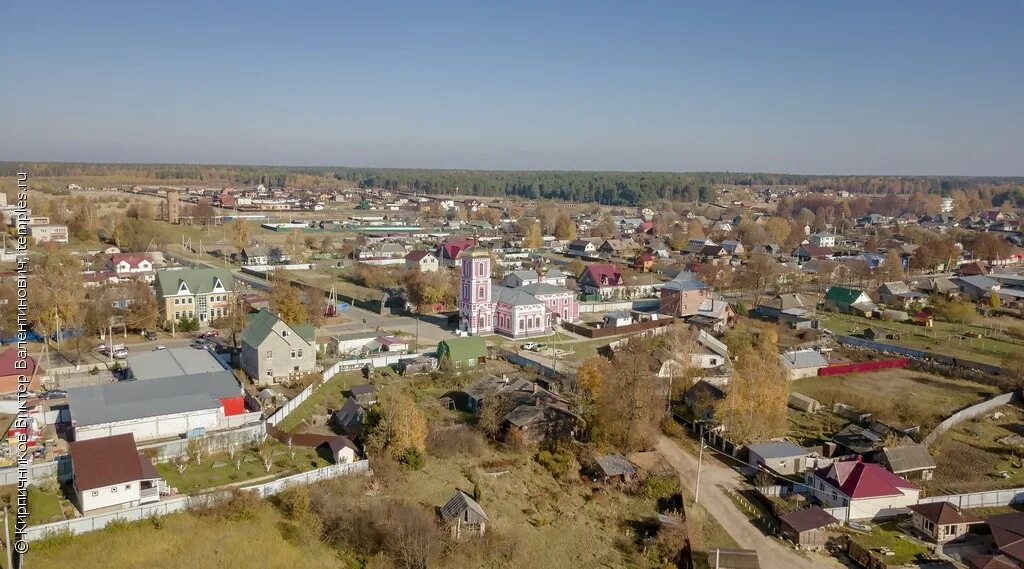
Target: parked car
120,353
151,335
159,347
202,344
529,346
209,334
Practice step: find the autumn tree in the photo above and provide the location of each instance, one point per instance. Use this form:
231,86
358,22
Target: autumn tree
316,305
989,247
235,321
285,300
754,407
396,426
891,268
56,292
143,312
241,232
565,228
8,309
778,229
533,238
758,275
295,246
631,402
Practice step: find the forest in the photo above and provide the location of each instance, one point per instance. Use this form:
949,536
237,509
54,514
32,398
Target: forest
607,188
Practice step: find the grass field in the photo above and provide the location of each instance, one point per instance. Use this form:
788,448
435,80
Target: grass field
905,549
903,396
1000,337
189,540
970,458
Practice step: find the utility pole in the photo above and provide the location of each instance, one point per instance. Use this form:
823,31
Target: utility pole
700,459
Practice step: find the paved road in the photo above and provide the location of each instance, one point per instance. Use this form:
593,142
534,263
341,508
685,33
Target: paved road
772,554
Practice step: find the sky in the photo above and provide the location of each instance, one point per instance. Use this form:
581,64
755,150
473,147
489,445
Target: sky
867,87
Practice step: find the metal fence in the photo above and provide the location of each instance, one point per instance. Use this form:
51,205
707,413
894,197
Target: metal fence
37,472
213,442
969,413
180,503
917,354
860,367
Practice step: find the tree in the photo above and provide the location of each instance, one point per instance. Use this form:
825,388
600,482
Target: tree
758,275
778,229
285,300
56,292
143,313
396,425
316,305
754,407
8,309
989,247
235,321
891,268
631,403
533,239
493,414
565,228
576,268
241,233
204,211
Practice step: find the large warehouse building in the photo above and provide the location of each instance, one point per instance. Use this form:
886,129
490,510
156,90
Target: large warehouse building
193,391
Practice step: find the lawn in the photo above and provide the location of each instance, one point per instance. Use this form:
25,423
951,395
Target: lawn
328,396
996,343
191,540
970,458
219,469
902,396
905,549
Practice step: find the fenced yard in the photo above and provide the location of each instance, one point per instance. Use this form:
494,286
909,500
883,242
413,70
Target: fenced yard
983,453
903,396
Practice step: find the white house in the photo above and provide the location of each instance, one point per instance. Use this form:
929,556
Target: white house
868,490
110,471
128,265
823,239
802,363
425,261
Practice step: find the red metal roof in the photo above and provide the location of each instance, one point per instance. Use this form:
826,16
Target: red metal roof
600,271
857,479
7,362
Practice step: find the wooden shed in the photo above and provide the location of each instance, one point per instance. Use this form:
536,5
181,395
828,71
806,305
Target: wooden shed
807,527
463,514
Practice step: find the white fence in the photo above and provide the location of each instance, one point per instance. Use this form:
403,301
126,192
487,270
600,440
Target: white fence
969,413
213,442
177,504
292,405
608,306
980,499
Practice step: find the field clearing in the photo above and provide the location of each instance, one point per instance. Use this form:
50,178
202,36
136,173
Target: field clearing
1000,339
189,540
903,396
219,469
970,458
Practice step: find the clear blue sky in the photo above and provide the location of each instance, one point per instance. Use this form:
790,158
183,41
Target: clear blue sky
929,87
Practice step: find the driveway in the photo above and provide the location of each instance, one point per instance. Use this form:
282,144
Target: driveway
771,553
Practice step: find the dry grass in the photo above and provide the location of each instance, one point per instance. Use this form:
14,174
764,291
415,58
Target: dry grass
970,458
902,396
188,540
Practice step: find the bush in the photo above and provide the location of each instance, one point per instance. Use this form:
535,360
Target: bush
558,463
412,459
660,487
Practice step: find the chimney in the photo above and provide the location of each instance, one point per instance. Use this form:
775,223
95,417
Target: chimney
504,377
860,458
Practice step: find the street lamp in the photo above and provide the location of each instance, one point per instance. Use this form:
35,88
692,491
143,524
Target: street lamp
700,459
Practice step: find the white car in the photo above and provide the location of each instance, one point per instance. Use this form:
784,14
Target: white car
529,346
120,353
158,348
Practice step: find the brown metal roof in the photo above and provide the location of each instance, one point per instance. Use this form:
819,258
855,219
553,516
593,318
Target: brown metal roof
943,513
808,519
106,461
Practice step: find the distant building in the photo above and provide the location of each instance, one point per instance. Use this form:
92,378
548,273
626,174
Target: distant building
173,206
422,260
205,294
49,233
684,295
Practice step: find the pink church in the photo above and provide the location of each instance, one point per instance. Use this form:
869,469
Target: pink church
525,304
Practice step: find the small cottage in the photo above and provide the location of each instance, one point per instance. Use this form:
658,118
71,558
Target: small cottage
807,527
941,521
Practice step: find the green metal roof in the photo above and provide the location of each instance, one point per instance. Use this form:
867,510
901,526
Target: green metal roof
198,281
262,323
463,349
843,295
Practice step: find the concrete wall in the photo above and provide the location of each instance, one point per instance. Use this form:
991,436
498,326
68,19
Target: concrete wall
154,427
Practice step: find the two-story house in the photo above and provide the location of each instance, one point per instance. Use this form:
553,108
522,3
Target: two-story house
273,351
684,295
425,261
205,294
131,265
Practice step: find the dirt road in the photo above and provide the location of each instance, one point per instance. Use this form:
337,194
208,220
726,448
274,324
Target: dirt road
771,553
